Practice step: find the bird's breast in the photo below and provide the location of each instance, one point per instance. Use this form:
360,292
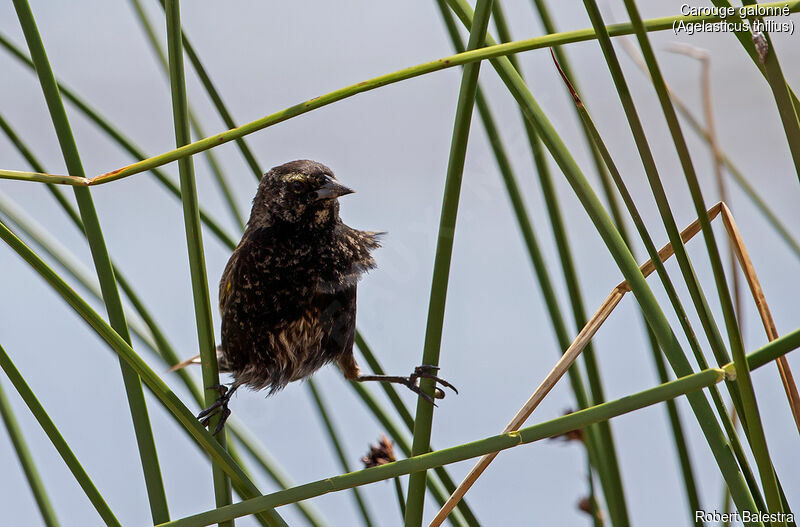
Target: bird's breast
296,343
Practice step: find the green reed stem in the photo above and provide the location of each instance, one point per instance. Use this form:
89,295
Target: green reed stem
61,446
441,266
623,258
529,237
601,436
672,411
404,414
194,239
94,235
698,298
402,442
579,419
401,496
216,99
26,462
337,447
213,164
751,416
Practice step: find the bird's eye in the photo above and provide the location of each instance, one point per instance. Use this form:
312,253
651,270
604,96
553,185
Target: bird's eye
298,186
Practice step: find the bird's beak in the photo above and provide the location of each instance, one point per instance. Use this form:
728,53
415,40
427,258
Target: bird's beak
331,190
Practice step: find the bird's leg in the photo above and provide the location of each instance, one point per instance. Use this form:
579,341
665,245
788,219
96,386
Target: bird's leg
425,371
219,406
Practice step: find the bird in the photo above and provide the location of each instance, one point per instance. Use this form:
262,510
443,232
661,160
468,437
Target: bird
287,295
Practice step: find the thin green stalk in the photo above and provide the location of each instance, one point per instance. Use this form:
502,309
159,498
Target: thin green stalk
222,182
653,253
194,240
698,298
393,431
624,260
489,52
529,237
61,446
605,456
751,416
115,134
672,411
401,497
580,419
216,99
105,273
218,455
337,447
441,266
27,463
35,177
594,507
405,415
550,27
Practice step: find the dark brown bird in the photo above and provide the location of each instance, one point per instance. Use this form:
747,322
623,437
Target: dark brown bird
288,292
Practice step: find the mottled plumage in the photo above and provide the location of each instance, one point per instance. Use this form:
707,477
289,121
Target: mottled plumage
288,293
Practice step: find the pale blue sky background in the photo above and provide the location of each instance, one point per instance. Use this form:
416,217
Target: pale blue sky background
391,146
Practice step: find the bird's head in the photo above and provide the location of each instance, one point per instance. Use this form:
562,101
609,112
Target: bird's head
298,191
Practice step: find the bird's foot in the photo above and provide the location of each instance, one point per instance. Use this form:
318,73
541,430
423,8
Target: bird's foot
220,406
428,371
412,381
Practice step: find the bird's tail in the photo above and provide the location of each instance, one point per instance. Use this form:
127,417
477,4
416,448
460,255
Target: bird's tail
196,360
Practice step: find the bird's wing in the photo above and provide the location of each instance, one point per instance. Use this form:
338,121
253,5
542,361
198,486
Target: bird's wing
338,317
226,282
349,258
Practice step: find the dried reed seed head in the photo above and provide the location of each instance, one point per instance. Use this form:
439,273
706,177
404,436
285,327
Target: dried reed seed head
379,454
585,505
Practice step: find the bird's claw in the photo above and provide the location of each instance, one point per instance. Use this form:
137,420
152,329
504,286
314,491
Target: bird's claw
414,387
220,406
427,371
